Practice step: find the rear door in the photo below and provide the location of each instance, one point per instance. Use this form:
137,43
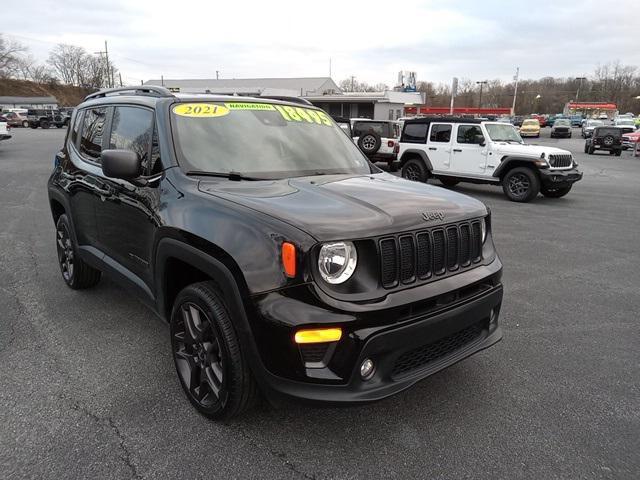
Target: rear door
439,146
469,153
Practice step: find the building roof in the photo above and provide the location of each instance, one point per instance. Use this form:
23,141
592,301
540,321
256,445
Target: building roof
13,100
388,96
282,86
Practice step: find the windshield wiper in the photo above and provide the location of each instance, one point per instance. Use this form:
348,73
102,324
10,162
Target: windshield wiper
235,176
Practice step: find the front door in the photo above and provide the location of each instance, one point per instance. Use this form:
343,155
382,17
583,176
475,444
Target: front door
439,146
469,152
127,216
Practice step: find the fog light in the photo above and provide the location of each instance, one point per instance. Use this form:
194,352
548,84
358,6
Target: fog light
367,369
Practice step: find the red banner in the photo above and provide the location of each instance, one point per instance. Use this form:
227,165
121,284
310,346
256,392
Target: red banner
423,110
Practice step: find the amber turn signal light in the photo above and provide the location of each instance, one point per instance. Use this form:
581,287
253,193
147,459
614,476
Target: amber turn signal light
319,335
289,259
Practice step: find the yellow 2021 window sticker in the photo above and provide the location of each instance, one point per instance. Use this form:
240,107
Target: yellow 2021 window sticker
200,110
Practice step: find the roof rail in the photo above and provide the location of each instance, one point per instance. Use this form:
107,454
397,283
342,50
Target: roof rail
148,90
285,98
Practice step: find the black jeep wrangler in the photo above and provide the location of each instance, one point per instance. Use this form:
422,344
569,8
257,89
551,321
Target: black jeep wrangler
282,259
604,139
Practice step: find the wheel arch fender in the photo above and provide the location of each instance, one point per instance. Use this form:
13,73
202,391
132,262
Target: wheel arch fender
413,153
509,162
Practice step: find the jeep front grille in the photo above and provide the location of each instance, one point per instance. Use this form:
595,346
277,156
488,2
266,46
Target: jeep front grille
411,257
560,161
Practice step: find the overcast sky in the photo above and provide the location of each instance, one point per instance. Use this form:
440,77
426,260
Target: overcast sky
372,40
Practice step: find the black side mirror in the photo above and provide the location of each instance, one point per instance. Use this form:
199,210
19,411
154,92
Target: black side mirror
123,164
479,139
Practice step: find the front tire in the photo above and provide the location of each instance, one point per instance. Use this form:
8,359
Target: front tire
77,274
556,192
25,124
212,369
414,169
521,184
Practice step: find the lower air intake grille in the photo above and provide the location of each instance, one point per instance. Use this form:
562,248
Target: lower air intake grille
425,354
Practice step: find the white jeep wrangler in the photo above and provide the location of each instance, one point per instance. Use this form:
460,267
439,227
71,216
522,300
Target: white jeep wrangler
378,139
456,150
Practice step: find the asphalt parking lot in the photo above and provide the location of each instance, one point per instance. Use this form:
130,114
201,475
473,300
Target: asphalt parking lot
88,388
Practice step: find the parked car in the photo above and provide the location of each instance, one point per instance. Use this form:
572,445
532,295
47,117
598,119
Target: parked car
15,119
589,126
530,128
517,121
561,128
454,150
541,119
46,118
607,139
378,139
629,140
627,125
344,124
576,120
5,130
282,259
550,120
603,116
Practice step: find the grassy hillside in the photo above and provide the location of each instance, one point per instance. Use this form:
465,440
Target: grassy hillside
67,95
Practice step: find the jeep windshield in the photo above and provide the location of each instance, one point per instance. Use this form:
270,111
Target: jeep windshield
503,132
262,141
563,122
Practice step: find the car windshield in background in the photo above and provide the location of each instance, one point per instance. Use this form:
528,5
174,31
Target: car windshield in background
625,122
562,123
503,132
262,140
531,123
594,123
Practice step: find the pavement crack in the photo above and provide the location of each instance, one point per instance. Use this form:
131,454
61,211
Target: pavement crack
281,456
125,455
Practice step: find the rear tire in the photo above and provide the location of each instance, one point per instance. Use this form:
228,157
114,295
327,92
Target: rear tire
212,368
415,170
556,192
25,124
44,124
77,274
590,151
618,153
521,184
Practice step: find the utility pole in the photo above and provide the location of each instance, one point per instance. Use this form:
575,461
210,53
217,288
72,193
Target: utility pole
109,70
454,92
120,76
162,80
329,67
580,79
217,74
352,80
481,83
515,91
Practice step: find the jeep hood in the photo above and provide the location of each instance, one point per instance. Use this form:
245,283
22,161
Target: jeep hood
527,150
334,207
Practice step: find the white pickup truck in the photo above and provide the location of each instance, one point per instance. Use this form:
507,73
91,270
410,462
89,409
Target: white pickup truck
454,150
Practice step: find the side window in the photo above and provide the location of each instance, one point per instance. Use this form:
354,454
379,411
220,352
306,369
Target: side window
76,128
415,132
440,133
469,134
132,129
92,129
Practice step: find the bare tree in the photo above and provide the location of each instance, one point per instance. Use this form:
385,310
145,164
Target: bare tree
74,65
10,52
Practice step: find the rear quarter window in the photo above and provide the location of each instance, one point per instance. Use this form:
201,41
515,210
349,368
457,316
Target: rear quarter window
415,133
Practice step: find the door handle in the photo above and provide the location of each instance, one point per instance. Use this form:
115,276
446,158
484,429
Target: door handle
457,149
432,148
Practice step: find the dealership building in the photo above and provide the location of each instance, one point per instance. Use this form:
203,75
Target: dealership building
320,91
48,103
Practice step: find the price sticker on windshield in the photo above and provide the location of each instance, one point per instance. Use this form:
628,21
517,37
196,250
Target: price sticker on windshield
298,114
200,110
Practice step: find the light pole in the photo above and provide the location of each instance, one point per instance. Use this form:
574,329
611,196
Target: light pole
481,83
580,79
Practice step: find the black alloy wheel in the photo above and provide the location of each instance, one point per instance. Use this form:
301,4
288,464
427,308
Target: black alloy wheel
76,273
415,170
211,366
521,184
199,357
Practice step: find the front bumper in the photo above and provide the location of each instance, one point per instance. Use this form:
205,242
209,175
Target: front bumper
559,178
529,134
406,344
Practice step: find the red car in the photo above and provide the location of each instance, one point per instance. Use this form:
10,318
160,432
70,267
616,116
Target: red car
541,119
630,139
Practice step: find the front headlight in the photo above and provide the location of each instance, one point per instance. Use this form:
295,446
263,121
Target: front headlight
337,261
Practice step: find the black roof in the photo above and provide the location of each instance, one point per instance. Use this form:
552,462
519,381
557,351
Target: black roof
443,119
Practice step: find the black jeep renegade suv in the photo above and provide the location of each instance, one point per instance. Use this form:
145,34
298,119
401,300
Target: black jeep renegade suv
282,259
